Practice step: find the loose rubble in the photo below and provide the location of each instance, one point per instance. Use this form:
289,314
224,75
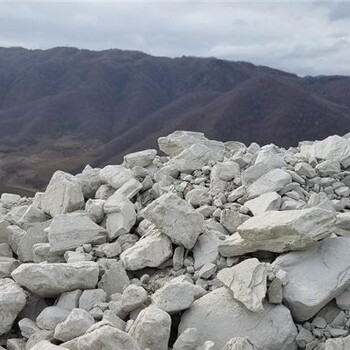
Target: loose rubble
204,245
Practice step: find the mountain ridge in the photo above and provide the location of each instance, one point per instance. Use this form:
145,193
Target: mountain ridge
65,107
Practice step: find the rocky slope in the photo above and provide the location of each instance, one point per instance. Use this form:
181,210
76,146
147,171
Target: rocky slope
215,246
63,108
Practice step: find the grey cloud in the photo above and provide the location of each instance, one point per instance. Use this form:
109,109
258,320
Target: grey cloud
304,38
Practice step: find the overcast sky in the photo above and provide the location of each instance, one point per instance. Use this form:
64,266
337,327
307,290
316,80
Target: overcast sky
303,37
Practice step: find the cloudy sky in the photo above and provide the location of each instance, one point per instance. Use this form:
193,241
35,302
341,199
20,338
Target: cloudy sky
307,37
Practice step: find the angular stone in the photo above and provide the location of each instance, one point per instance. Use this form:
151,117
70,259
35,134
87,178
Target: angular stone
50,317
90,181
221,174
42,253
198,197
75,325
69,231
50,280
281,231
206,249
114,279
248,282
194,158
273,181
305,169
91,298
338,344
232,219
316,276
177,295
178,141
176,218
187,340
94,209
151,329
69,300
115,175
7,265
218,317
28,327
141,158
12,301
328,168
8,200
103,338
34,235
332,148
257,170
133,298
265,202
151,250
129,189
63,194
121,215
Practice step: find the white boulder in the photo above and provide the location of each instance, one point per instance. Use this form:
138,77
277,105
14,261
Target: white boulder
315,276
50,280
176,218
151,250
12,301
63,194
219,318
69,231
248,282
151,329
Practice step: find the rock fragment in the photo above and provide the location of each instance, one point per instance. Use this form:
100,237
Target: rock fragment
176,218
50,280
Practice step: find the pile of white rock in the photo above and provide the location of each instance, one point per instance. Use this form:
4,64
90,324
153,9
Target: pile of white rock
209,246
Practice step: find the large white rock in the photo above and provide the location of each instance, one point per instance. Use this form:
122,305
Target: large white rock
51,316
221,173
316,276
141,158
151,250
248,282
281,231
114,280
90,181
177,295
338,344
151,329
121,215
12,301
103,338
178,141
206,249
63,194
261,168
176,218
332,148
273,181
50,280
115,175
219,318
34,235
75,325
265,202
194,158
69,231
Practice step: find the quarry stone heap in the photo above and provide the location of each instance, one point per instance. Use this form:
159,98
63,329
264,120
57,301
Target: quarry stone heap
205,245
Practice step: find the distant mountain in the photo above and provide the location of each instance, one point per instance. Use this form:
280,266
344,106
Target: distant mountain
64,107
